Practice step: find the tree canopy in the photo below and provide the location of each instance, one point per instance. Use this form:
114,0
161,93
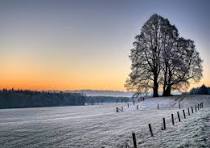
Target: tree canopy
161,58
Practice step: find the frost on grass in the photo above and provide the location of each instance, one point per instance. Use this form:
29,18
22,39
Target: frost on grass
191,132
100,126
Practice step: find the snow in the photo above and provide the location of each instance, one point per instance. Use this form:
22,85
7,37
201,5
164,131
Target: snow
100,126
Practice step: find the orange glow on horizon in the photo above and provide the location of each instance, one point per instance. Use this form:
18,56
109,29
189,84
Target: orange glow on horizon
22,75
74,84
62,86
19,74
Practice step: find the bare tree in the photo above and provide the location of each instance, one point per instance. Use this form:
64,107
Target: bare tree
145,57
161,58
184,65
169,38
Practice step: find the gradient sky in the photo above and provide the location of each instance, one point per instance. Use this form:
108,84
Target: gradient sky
84,44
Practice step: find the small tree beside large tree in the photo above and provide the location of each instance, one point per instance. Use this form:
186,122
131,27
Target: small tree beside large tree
161,58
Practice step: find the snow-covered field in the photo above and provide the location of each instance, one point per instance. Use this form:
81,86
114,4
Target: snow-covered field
100,126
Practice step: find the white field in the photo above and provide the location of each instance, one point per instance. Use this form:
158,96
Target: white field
100,126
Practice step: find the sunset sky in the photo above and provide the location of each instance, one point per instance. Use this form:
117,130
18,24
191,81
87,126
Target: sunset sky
84,44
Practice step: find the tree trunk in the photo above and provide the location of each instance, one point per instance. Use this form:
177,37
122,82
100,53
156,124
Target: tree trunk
165,76
167,91
164,83
155,87
155,92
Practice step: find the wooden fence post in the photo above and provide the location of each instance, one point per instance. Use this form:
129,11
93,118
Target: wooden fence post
134,140
150,129
137,107
192,109
172,118
198,106
158,107
188,111
117,109
164,124
201,105
179,105
184,114
195,108
178,116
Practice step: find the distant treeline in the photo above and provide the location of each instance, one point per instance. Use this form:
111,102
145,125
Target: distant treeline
27,98
203,90
105,99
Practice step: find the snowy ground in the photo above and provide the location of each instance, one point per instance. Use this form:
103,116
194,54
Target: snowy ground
99,125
